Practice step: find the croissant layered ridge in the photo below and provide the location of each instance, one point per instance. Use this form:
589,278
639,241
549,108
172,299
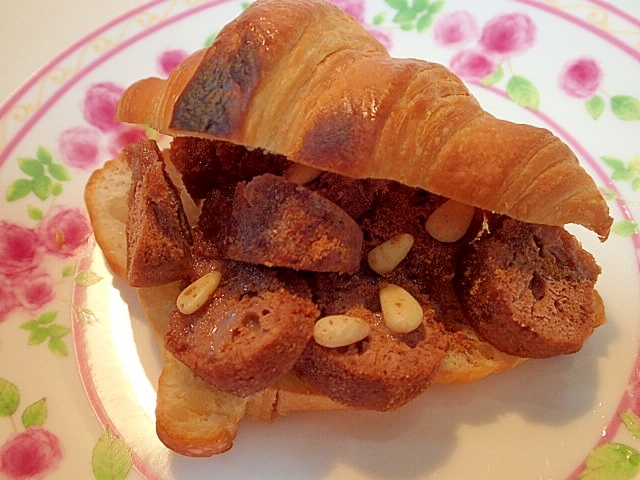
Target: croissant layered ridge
305,80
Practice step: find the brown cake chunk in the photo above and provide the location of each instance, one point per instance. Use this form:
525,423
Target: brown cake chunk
158,235
209,164
354,196
405,210
386,369
251,332
277,223
529,289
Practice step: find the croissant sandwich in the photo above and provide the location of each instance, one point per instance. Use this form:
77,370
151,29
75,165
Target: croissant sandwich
331,227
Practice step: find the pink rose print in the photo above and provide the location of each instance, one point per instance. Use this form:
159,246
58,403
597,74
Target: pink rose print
455,29
30,454
19,252
383,35
472,64
508,35
581,77
35,292
79,147
99,106
355,8
123,136
8,301
85,147
502,37
170,59
64,231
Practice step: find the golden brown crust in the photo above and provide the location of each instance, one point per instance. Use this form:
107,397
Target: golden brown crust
105,196
305,68
469,358
193,417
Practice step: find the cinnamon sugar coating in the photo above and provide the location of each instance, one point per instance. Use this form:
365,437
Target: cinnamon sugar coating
206,165
291,254
529,289
158,235
251,332
386,369
277,223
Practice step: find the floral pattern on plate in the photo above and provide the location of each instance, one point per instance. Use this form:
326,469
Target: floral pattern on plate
45,240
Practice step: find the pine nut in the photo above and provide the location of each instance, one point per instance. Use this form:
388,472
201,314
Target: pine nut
340,330
401,312
193,297
301,174
450,221
386,256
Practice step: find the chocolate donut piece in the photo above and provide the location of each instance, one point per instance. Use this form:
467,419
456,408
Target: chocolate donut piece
251,332
529,289
386,369
158,236
277,223
212,164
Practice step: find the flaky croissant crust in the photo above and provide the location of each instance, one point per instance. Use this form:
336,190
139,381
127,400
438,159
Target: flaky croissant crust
303,79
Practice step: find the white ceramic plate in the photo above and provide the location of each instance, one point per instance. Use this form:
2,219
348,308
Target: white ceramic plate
78,364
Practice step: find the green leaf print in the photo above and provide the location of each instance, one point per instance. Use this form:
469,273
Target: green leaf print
43,177
31,166
523,92
58,347
625,228
613,162
595,106
418,15
624,172
35,414
494,78
84,315
420,5
398,4
626,107
43,319
111,458
9,398
18,189
87,278
34,213
612,461
38,336
68,270
42,187
424,22
59,172
43,329
405,16
44,155
631,421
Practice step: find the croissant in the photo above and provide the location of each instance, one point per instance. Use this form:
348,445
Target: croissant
305,80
